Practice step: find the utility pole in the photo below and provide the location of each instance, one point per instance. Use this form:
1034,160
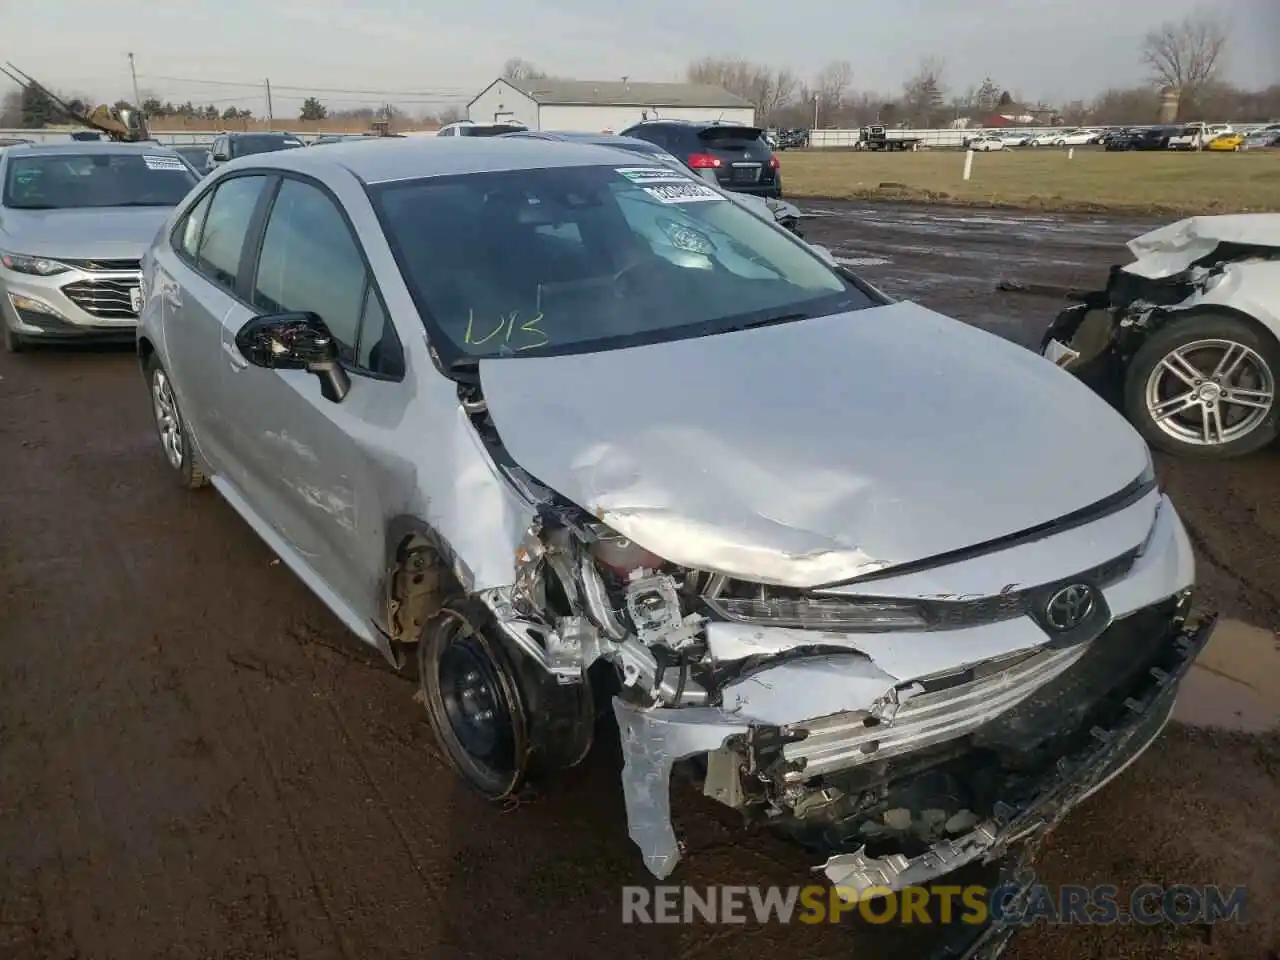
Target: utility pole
133,72
270,115
815,111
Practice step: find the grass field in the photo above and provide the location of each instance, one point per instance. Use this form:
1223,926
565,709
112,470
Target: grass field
1044,179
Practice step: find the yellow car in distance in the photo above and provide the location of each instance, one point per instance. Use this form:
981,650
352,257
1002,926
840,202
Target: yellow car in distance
1226,141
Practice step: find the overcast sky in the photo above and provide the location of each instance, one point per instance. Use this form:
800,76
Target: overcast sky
427,55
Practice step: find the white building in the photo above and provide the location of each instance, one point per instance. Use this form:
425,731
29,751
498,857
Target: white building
591,106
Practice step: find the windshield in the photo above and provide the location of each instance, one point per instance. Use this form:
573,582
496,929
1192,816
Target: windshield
261,143
70,181
570,259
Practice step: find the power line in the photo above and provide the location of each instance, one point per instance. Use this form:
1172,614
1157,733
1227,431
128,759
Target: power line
439,92
297,97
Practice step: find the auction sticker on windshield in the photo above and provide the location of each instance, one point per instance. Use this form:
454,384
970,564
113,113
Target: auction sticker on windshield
163,163
644,175
687,192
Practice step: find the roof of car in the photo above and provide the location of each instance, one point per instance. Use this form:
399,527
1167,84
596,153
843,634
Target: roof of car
673,122
415,157
80,147
577,136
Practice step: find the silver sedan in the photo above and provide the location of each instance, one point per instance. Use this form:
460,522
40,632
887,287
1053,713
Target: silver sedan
555,422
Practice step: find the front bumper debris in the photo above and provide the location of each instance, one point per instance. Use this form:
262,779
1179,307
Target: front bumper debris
1076,778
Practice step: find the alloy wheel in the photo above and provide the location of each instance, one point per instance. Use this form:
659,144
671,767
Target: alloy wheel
1210,392
168,423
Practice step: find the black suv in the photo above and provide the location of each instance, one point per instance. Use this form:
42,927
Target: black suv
736,156
229,146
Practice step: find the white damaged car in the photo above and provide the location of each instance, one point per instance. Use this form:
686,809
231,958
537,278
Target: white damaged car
555,424
1186,338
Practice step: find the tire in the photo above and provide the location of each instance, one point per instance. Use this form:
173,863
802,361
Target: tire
12,342
1234,430
172,430
462,674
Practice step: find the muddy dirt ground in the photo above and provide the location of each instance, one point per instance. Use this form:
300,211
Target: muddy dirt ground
196,762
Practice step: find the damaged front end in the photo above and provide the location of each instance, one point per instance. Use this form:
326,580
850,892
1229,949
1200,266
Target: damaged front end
898,719
1199,266
767,699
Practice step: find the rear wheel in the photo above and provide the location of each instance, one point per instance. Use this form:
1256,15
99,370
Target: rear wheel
175,438
1205,387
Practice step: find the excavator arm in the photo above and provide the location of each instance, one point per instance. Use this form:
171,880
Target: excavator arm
125,124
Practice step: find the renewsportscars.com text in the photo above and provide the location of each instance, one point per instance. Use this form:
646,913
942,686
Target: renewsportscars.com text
1148,904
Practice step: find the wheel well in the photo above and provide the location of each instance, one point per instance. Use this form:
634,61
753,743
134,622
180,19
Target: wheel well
419,578
1219,310
145,350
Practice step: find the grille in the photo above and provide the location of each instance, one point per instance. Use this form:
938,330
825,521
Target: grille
953,614
95,266
108,299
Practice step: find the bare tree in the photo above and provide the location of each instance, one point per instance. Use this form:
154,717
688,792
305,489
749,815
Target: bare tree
1138,105
11,110
987,96
768,90
924,94
1185,54
831,87
450,114
517,68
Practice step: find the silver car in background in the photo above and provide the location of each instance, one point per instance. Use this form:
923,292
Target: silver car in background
562,423
75,219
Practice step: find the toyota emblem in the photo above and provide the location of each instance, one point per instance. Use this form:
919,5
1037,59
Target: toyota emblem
1069,607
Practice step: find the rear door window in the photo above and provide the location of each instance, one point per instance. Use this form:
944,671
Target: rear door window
188,235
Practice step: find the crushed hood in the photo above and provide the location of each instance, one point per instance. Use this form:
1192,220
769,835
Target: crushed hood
102,233
814,451
1171,249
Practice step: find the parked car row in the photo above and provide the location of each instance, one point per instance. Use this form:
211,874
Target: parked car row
1194,136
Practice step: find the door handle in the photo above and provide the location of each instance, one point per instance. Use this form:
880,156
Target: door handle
234,357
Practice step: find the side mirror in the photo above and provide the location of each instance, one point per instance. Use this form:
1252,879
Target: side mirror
295,341
220,157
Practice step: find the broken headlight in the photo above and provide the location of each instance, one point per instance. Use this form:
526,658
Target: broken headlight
821,613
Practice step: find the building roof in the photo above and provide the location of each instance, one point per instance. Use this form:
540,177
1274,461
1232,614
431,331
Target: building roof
619,93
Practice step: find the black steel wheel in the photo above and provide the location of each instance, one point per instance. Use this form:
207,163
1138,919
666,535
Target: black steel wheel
473,700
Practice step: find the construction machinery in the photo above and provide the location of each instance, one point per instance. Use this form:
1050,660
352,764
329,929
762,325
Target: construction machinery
123,123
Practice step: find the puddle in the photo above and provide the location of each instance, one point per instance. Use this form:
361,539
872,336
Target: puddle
1235,684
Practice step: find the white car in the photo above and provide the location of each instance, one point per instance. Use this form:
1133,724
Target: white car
472,128
1195,136
1014,139
1198,372
1049,137
1077,139
984,144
